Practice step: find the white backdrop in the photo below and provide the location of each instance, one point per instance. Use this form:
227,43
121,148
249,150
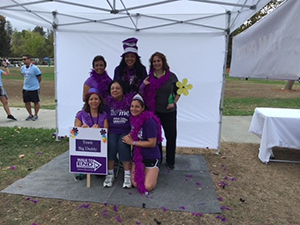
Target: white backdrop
270,48
189,56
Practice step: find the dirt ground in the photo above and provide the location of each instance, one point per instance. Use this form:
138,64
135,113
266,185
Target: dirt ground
14,90
253,90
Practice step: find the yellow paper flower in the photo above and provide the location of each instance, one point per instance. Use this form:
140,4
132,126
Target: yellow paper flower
183,87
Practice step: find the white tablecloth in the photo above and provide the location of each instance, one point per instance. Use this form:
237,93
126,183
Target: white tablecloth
276,127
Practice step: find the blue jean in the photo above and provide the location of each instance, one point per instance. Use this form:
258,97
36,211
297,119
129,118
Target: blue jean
115,144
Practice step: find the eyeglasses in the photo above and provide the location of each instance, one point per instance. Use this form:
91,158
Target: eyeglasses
24,59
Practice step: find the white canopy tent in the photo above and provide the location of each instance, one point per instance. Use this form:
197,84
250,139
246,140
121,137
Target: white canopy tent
192,34
270,48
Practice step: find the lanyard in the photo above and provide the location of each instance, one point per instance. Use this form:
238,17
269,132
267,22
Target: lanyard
93,119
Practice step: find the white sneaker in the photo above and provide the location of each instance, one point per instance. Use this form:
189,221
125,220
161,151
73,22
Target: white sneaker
127,181
109,179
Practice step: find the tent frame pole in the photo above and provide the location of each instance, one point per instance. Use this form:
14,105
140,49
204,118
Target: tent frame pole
224,81
54,25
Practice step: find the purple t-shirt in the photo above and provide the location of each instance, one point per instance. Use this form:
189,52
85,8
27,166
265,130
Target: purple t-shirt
149,130
85,118
118,120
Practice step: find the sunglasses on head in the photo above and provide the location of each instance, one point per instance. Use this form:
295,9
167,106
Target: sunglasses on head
24,59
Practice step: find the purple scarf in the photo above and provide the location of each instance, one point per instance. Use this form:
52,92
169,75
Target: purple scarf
102,82
137,124
152,87
123,104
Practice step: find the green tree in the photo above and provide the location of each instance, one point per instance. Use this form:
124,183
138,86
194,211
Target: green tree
17,43
4,38
49,48
33,43
39,30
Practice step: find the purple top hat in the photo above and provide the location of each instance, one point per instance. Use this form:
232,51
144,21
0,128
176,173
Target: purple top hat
129,45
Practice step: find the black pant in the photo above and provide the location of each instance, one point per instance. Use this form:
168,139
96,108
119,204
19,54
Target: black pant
169,124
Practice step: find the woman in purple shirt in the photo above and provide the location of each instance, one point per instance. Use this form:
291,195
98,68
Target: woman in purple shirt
130,70
117,109
144,137
98,78
93,114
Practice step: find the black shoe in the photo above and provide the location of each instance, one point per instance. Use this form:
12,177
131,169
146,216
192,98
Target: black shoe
11,117
79,176
170,167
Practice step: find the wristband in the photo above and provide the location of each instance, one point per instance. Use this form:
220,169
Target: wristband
134,143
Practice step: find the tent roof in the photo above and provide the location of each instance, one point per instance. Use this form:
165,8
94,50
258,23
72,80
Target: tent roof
201,16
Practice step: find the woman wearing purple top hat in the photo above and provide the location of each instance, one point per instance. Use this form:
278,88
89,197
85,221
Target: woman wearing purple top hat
160,96
117,109
98,78
130,70
144,137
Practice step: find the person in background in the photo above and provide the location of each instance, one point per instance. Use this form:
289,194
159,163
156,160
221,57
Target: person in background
31,89
130,70
161,97
118,113
144,137
92,115
3,95
98,78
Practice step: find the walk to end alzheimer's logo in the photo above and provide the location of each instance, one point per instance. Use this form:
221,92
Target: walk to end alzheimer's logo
85,164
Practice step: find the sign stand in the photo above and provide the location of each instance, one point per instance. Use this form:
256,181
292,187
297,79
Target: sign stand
88,180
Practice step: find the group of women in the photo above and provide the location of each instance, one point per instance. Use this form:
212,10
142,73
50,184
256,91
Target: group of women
133,107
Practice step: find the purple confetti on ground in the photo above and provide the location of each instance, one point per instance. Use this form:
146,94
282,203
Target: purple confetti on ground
233,179
39,153
189,175
221,218
130,193
86,206
226,178
198,183
164,209
118,218
186,180
104,213
220,199
197,214
34,200
34,224
138,223
182,207
12,167
27,199
115,208
105,204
